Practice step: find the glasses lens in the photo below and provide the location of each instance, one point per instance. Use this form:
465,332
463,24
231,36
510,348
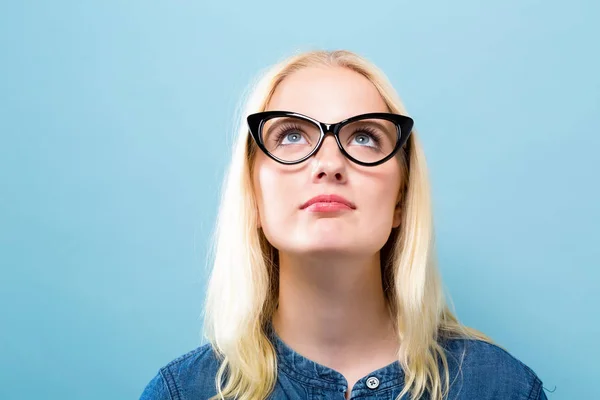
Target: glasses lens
369,140
290,138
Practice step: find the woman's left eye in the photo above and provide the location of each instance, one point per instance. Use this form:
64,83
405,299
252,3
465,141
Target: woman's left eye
365,139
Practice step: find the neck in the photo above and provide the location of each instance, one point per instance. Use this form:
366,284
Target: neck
333,309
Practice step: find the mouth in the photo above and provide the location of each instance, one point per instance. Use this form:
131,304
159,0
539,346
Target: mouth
328,203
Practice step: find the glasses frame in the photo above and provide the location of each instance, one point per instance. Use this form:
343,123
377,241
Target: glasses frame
256,121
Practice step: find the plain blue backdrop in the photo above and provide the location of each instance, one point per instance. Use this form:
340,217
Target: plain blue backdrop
116,119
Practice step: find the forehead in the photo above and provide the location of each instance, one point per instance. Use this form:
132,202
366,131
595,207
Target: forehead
329,94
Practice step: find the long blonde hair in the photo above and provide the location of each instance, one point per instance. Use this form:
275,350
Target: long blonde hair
243,287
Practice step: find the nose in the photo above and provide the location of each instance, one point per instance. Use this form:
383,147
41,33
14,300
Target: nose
329,162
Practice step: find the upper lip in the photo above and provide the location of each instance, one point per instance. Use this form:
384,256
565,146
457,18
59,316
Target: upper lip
328,198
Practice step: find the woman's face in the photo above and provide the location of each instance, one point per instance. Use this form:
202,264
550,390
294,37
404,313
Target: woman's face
328,95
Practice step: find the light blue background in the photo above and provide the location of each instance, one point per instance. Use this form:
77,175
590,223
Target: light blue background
115,120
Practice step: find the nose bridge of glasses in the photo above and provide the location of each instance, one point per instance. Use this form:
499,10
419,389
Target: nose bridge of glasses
328,129
329,132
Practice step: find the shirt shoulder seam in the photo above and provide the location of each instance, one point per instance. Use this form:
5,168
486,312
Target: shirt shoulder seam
199,351
536,383
168,376
166,382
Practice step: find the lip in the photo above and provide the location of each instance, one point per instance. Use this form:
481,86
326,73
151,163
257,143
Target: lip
328,202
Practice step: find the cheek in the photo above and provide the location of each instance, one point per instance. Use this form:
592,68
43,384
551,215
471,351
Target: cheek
378,214
379,197
276,195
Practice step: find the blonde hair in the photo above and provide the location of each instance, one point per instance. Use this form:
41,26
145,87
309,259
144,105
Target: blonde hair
243,288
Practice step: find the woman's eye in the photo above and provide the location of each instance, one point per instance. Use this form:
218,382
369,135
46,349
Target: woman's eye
365,139
292,138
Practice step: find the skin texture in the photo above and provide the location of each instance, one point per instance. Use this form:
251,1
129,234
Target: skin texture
331,304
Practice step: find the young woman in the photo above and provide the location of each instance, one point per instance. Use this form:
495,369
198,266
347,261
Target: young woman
324,283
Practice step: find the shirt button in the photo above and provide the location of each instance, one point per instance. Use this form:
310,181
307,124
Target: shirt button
372,383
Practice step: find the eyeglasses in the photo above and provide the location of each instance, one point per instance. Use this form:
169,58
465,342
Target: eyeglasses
366,139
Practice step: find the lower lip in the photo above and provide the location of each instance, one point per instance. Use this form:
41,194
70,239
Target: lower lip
327,207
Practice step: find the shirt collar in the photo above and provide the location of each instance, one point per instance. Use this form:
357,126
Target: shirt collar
301,368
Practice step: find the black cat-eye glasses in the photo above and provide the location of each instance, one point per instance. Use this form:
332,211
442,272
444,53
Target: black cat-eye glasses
367,139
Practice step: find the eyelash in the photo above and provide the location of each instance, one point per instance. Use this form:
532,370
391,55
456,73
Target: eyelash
285,130
374,135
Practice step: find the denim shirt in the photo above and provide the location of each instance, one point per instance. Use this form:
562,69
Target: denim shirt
487,372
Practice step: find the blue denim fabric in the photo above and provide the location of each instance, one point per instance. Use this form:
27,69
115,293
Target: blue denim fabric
487,372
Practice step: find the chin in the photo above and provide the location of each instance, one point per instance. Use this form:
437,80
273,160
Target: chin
330,246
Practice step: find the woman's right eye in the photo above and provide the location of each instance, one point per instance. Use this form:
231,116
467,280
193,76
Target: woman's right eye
291,137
